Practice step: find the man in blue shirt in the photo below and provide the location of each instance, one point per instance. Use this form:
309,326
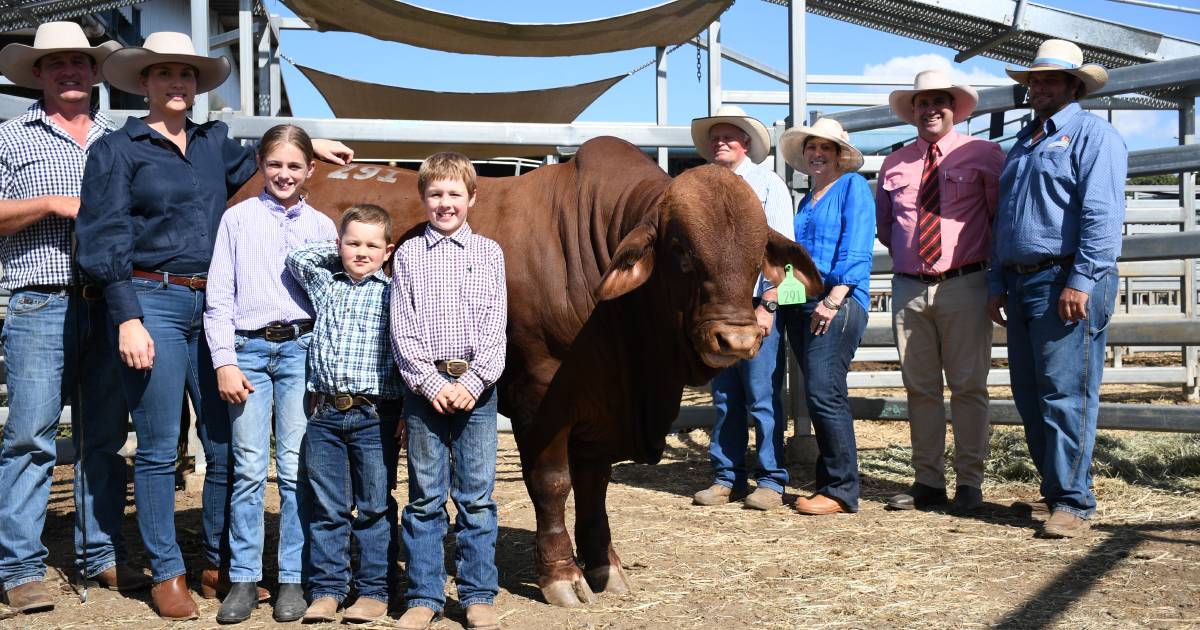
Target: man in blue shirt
1054,252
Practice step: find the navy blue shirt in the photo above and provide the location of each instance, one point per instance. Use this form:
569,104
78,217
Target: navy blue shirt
146,206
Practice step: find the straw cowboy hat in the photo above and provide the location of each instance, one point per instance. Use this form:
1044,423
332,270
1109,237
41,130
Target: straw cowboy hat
965,96
1063,56
791,145
760,139
16,60
124,67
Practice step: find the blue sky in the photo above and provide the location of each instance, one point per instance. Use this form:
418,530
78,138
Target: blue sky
752,27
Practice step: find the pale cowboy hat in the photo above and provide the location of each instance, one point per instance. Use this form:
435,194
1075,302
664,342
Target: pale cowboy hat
760,139
125,66
965,96
1063,56
16,60
791,145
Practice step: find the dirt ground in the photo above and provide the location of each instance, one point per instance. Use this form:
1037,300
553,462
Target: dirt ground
727,567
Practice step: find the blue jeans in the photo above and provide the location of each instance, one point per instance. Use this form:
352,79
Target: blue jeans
825,360
49,339
751,388
350,460
1056,369
174,317
276,371
456,454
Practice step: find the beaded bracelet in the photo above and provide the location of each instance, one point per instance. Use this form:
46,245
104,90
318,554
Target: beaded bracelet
831,305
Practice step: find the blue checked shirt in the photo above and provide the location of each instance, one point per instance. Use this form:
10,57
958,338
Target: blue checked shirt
38,158
350,352
1064,195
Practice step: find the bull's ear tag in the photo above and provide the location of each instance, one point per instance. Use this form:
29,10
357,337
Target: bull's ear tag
791,290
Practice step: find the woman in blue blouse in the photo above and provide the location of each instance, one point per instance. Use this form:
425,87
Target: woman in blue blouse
836,224
152,198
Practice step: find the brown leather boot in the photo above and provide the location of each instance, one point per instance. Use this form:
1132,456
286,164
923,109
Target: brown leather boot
122,578
30,597
214,584
173,601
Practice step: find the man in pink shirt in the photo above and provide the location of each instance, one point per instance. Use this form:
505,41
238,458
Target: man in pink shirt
934,206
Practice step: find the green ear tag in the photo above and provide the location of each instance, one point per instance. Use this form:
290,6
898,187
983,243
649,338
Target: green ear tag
791,291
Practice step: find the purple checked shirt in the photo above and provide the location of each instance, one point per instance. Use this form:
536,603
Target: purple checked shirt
248,285
449,301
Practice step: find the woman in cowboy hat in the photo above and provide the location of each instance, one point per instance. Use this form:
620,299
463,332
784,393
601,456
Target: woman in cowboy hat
152,199
836,224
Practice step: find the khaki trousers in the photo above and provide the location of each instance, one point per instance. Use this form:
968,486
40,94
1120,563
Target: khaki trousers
945,327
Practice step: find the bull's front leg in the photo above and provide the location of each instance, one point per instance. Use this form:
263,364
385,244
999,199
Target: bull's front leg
549,481
601,565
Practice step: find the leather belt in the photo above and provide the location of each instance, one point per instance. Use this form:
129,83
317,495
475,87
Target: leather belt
1038,266
282,331
453,367
195,283
346,402
934,278
47,288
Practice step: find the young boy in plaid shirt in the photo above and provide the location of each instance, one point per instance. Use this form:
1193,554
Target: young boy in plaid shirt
351,442
449,310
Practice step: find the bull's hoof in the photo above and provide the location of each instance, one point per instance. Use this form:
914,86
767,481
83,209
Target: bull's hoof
608,578
568,593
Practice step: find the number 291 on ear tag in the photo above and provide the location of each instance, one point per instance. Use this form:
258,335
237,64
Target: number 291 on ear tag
791,290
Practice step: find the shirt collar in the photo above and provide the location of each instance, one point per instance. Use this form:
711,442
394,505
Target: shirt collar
377,275
433,237
272,204
744,167
947,142
138,129
37,113
1056,122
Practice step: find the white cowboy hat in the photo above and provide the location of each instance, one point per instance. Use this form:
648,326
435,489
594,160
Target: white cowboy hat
791,145
965,96
1063,56
125,66
16,60
760,139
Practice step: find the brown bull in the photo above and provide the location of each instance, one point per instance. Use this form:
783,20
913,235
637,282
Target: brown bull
623,287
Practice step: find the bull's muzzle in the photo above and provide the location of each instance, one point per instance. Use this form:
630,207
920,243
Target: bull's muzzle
725,344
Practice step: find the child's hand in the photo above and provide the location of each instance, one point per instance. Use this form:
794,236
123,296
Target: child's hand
401,434
232,385
462,398
442,401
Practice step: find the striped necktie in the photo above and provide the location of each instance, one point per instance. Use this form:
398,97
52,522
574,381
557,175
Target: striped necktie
929,210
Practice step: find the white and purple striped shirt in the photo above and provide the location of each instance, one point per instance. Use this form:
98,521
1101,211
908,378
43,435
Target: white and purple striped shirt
248,284
449,301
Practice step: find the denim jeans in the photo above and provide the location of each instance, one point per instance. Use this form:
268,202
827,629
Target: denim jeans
276,371
455,454
350,462
825,361
751,388
1056,369
174,317
49,338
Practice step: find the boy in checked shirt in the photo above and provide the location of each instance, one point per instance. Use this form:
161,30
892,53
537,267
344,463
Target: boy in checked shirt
351,442
449,311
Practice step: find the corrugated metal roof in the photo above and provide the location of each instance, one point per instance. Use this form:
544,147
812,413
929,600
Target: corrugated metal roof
19,14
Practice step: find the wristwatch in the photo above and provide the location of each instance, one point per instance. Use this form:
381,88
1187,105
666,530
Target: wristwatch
770,305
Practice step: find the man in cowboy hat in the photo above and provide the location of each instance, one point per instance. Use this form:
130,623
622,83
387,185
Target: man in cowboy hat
934,206
751,387
53,337
1056,240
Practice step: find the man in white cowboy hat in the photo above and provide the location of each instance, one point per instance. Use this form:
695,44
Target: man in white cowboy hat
933,208
749,388
53,336
1056,240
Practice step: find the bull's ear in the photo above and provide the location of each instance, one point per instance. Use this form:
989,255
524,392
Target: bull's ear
631,264
782,251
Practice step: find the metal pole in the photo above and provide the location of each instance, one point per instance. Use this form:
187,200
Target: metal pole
200,42
1187,201
660,98
246,56
264,70
714,67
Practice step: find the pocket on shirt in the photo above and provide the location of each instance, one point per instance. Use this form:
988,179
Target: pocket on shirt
961,183
895,184
477,289
1055,164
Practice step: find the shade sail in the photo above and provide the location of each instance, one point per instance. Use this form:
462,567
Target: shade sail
358,99
663,25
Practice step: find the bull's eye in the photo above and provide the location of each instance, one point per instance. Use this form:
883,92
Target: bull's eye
682,255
